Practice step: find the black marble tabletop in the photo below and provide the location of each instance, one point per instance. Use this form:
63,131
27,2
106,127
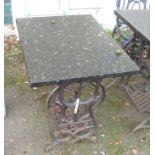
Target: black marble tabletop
70,48
138,20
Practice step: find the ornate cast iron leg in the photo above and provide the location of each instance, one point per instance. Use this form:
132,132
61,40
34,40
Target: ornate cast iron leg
97,86
70,108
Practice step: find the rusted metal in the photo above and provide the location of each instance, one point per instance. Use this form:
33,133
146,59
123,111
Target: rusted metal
66,125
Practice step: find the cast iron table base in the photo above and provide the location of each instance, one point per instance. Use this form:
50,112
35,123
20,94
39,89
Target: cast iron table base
71,111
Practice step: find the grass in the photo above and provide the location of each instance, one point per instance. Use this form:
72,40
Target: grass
115,118
14,67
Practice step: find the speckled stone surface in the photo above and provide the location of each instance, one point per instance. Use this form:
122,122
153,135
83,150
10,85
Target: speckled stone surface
70,48
138,20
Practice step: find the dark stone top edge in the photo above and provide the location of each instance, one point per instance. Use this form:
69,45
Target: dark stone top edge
91,78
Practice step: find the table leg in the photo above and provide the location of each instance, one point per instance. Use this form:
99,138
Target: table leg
70,125
138,48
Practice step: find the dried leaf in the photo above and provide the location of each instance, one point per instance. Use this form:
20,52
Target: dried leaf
120,142
113,118
100,125
102,135
34,88
11,140
102,153
28,148
142,140
117,143
94,139
126,104
134,151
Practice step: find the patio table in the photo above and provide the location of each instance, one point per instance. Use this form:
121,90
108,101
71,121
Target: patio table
139,50
68,50
139,22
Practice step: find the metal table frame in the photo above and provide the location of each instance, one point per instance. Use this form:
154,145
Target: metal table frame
96,56
73,118
138,46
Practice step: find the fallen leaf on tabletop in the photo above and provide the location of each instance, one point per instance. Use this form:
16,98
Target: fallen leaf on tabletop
11,140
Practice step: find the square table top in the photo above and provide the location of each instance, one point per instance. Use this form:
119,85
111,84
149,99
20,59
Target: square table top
138,20
70,48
